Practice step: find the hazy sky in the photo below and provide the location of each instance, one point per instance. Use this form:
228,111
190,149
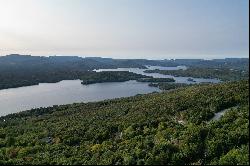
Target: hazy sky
153,29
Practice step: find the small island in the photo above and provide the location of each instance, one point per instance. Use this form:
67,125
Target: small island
155,79
191,80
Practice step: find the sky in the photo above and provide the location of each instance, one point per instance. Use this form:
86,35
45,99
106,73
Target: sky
152,29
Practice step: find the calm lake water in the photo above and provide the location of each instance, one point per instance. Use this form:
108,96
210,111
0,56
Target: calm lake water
66,92
72,91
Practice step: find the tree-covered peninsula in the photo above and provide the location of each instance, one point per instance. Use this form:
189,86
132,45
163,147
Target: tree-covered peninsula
110,76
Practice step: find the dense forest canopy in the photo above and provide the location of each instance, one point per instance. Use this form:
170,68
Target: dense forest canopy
161,128
110,76
168,86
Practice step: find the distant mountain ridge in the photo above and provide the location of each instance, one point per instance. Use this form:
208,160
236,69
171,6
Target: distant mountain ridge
88,63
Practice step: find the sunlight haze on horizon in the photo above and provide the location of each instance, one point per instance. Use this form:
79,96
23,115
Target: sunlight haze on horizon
152,29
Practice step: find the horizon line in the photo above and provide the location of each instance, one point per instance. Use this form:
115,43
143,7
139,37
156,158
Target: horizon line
112,57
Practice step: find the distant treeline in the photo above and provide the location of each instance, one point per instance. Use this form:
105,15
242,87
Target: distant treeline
168,86
24,70
223,74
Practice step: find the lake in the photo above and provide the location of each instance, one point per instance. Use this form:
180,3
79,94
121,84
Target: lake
72,91
66,92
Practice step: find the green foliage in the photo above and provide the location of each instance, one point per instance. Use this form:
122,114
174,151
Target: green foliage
239,156
169,86
109,76
164,128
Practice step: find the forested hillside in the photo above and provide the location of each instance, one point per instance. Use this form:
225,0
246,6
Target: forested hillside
161,128
224,74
